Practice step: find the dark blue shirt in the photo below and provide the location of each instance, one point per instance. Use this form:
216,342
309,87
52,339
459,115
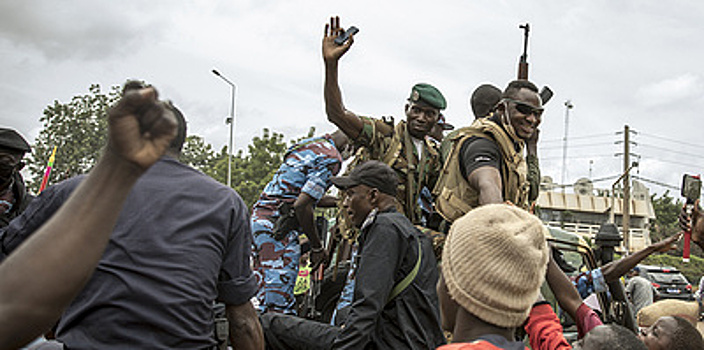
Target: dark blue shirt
181,241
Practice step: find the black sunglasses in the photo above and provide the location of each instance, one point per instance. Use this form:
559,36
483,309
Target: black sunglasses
525,108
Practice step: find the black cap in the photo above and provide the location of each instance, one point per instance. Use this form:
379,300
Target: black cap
10,139
373,173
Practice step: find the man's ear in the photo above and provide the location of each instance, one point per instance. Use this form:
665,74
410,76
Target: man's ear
408,106
374,197
502,110
500,107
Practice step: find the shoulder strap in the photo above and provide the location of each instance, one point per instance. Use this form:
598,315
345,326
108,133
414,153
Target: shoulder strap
406,281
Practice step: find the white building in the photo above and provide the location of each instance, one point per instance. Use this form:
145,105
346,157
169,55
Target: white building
584,210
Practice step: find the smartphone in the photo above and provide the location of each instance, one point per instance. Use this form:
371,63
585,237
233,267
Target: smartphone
691,188
340,40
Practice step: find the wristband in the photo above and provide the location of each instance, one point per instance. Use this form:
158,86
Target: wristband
317,250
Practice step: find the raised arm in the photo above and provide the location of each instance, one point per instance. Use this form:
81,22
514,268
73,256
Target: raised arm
563,289
45,273
347,121
615,269
695,223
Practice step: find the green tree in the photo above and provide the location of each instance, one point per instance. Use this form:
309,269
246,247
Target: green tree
667,210
198,154
251,172
78,129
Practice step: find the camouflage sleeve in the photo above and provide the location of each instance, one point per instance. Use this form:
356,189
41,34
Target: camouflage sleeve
374,135
533,177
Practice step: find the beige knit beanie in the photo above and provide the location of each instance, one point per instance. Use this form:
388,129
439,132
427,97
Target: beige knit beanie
689,310
494,262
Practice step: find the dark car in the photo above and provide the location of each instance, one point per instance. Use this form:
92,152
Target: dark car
669,282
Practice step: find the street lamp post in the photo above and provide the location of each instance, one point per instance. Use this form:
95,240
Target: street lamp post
230,120
568,106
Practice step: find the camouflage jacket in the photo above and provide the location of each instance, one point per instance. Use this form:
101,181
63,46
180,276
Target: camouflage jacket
392,144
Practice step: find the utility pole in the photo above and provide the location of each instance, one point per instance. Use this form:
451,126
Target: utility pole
626,221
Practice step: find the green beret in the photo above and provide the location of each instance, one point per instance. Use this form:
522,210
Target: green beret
10,139
428,94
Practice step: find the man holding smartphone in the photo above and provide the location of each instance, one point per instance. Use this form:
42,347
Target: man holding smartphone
404,146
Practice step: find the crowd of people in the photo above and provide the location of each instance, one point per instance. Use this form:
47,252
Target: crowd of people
441,248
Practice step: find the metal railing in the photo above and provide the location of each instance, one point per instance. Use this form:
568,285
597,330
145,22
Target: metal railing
639,237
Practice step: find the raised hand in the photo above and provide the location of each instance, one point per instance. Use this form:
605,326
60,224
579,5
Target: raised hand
532,142
140,127
697,225
331,50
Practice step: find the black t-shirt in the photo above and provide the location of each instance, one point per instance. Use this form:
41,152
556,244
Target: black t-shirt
477,152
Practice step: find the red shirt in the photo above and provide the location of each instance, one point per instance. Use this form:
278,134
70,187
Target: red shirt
543,328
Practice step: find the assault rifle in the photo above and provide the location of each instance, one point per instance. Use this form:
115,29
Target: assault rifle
545,93
523,62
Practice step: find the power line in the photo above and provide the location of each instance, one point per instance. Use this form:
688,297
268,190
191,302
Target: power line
671,140
580,157
606,178
578,137
671,162
655,182
581,145
673,151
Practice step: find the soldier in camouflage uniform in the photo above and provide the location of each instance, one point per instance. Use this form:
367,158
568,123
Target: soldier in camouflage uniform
404,146
285,210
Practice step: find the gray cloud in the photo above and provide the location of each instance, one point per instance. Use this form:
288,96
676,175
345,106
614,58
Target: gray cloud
84,30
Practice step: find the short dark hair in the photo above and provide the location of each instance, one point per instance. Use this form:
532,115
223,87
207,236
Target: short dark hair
181,128
178,141
513,87
483,99
622,338
626,339
686,336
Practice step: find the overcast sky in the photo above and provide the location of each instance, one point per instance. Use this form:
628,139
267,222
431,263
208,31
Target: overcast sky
636,62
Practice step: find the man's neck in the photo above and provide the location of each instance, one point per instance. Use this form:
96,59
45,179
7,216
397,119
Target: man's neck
469,328
173,154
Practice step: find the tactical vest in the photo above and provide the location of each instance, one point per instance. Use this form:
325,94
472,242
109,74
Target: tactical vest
400,155
454,196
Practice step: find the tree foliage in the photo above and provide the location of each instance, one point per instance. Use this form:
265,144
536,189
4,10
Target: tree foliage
251,172
667,210
198,154
78,129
